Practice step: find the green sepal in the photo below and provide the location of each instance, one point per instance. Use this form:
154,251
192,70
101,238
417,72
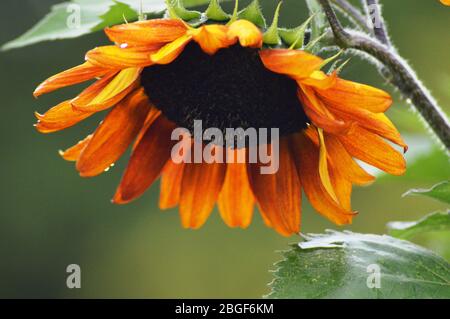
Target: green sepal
272,36
176,10
312,44
253,14
295,37
215,12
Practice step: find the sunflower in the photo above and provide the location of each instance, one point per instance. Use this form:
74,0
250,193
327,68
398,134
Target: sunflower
160,74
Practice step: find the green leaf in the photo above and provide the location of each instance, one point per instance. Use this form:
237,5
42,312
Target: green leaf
434,222
440,192
345,265
64,22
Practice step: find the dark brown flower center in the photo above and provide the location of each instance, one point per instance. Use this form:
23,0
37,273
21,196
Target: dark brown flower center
231,89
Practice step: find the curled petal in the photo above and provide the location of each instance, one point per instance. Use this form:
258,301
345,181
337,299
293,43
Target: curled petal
73,153
248,34
339,158
306,155
373,150
170,51
146,162
59,117
318,113
212,38
145,33
319,79
297,64
114,135
375,122
347,94
114,57
78,74
107,91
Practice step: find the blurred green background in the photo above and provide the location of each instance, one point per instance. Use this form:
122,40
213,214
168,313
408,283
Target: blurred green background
50,217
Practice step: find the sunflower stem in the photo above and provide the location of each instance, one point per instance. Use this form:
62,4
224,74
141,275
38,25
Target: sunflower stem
353,14
379,29
396,71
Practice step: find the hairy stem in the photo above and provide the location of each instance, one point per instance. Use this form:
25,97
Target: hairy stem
373,11
353,13
396,71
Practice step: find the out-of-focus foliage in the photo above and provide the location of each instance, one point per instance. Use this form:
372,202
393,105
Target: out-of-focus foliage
434,222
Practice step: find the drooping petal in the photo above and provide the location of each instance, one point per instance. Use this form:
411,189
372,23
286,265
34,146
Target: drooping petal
147,161
114,135
306,156
319,79
295,63
319,114
375,122
78,74
60,117
348,95
236,201
114,57
170,51
246,32
108,91
212,38
152,115
72,153
340,159
342,188
324,172
278,194
145,33
373,150
170,189
200,188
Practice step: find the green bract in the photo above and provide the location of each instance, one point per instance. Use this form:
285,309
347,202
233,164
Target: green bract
91,17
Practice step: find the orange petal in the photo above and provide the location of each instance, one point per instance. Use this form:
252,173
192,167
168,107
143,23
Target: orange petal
342,188
319,79
373,150
248,34
324,172
108,91
78,74
144,33
59,117
71,154
340,159
200,188
319,114
279,194
147,161
307,160
212,38
117,58
114,135
152,115
297,64
351,95
170,51
375,122
169,195
236,199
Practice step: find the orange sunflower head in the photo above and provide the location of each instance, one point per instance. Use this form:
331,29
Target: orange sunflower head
163,74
